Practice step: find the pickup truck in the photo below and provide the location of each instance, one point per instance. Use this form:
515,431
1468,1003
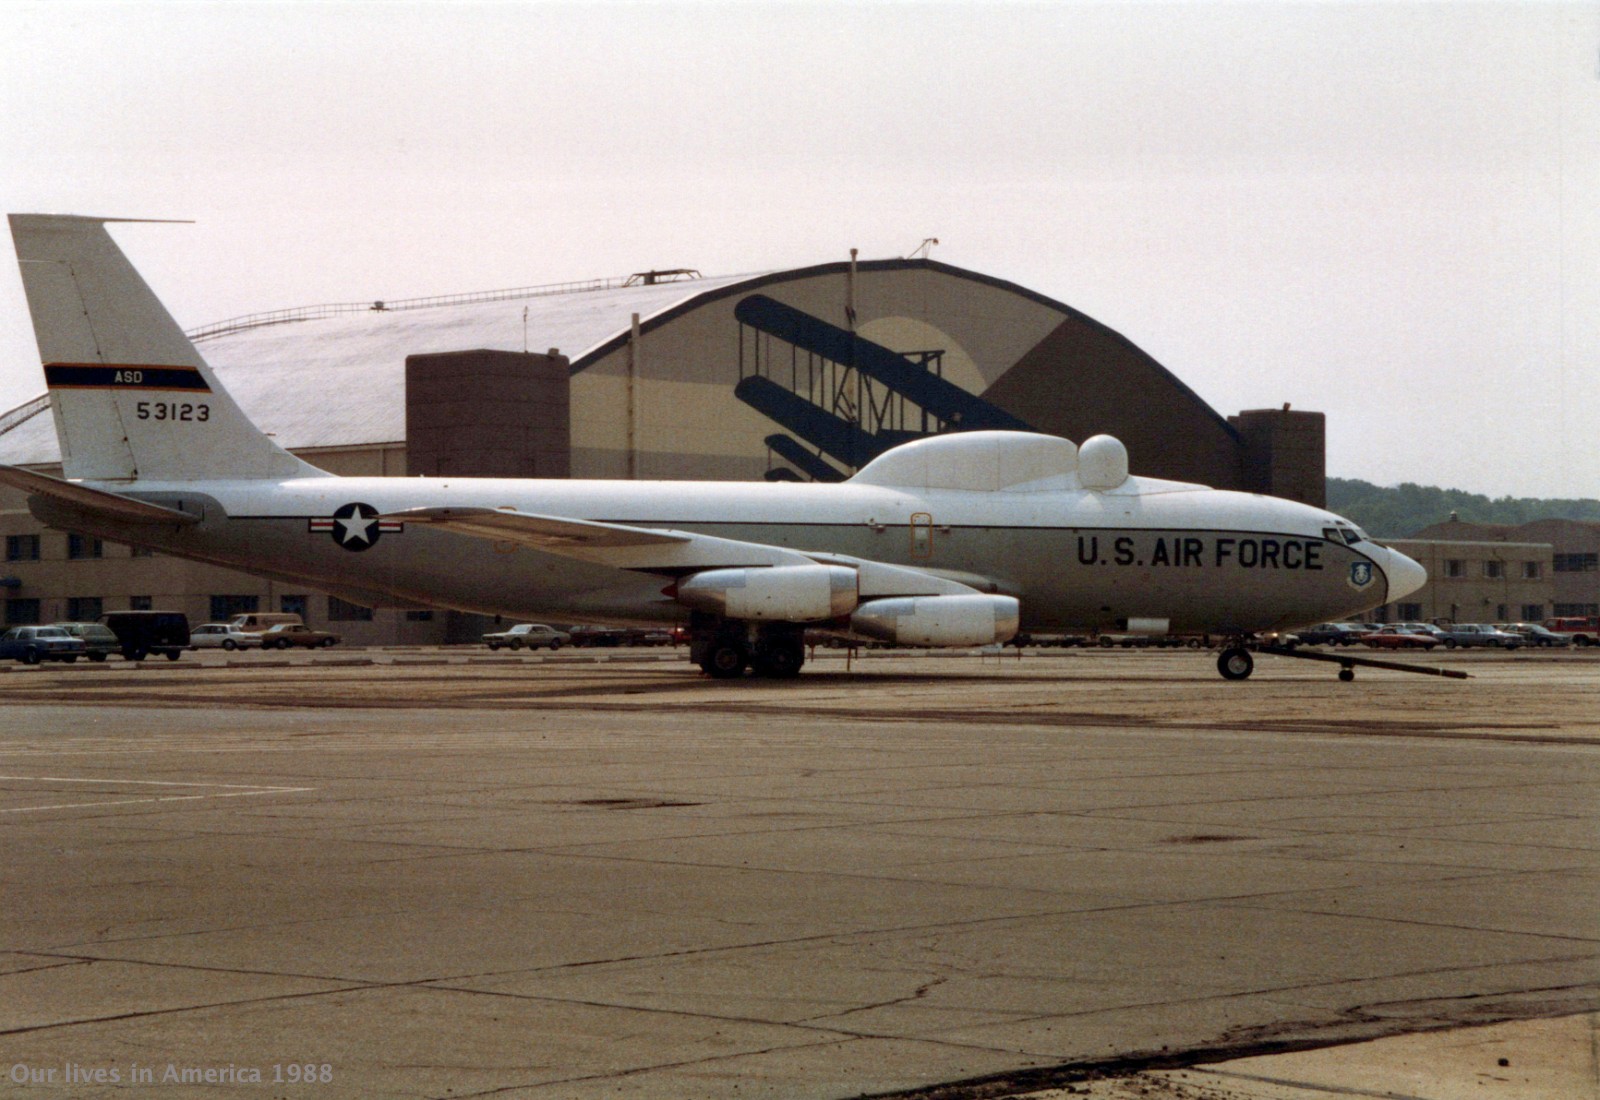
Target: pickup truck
1580,630
1479,634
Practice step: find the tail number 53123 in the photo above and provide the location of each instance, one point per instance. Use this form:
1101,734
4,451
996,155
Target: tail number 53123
163,410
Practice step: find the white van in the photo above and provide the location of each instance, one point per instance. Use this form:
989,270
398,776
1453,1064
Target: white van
255,622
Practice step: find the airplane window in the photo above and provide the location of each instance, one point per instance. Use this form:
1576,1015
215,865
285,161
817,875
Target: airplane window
1332,534
1351,535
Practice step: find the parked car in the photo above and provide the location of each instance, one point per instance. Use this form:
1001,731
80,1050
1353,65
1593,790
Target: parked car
1582,630
532,635
1535,635
1330,634
589,635
1399,637
223,636
1479,634
649,637
1427,628
285,635
98,641
32,644
145,632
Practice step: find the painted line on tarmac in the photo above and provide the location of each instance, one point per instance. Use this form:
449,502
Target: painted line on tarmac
228,790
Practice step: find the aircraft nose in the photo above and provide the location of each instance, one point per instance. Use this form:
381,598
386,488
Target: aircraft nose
1405,575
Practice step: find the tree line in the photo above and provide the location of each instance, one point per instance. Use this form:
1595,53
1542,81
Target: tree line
1403,510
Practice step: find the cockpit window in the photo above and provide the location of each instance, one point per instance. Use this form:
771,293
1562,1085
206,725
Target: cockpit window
1351,534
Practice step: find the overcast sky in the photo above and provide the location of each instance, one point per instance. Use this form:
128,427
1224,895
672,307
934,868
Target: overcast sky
1386,212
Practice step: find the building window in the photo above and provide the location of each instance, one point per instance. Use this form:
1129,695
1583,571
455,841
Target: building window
1494,570
84,609
340,611
1565,610
22,548
1532,612
1531,571
1500,615
22,612
141,603
294,605
1409,612
1455,567
83,547
224,608
419,616
1577,563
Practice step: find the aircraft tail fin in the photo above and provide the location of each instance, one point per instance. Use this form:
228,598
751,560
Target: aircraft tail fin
132,398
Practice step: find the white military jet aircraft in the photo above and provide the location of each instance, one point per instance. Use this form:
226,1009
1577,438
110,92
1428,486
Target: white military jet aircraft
955,540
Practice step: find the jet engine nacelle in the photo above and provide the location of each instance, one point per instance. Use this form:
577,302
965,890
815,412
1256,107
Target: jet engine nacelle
781,593
938,620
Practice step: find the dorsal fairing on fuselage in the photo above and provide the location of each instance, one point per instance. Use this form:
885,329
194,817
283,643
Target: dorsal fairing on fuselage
1011,462
988,461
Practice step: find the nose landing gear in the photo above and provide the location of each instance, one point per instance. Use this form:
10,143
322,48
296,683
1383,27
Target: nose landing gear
1235,663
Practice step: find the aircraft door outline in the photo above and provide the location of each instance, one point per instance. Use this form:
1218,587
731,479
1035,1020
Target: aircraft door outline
921,530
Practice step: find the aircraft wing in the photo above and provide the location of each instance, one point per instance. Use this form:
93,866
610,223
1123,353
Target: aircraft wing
620,545
114,505
678,553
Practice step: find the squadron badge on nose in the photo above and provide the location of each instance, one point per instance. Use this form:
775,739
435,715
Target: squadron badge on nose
1360,574
356,526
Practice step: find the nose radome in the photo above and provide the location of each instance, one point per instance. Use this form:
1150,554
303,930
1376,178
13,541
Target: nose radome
1405,575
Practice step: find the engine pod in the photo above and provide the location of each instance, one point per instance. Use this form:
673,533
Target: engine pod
782,593
939,620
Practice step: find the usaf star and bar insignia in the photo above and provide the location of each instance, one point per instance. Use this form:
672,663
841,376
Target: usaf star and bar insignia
355,526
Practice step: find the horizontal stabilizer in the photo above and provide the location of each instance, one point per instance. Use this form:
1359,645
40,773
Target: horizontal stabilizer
112,505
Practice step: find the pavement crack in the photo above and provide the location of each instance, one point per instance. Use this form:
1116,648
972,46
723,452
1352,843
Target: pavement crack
915,995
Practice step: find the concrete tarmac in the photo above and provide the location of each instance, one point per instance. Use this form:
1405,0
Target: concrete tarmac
925,876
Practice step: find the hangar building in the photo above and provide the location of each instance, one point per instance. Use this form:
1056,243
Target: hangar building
800,374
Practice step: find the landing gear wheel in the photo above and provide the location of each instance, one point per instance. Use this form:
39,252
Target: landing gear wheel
724,660
172,654
1236,663
781,660
1347,674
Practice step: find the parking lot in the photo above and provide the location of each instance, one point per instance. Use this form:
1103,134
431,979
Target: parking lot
446,873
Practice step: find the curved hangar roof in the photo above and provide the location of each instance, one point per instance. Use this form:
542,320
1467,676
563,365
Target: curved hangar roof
734,375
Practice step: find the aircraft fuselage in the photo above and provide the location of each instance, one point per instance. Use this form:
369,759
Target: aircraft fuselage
1204,560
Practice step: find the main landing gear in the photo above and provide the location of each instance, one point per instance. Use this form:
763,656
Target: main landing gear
725,649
